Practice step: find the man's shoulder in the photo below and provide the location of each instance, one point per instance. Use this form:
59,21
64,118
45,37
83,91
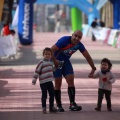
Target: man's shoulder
66,37
80,44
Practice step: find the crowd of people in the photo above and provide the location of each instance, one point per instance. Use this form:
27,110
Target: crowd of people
62,50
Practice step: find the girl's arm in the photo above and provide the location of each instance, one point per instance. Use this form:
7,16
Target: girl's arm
36,73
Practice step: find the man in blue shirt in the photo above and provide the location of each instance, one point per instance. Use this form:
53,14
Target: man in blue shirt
63,50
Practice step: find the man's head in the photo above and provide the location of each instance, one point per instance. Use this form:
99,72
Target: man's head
76,37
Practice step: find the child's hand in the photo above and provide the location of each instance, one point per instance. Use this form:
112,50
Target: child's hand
33,83
56,62
90,75
108,82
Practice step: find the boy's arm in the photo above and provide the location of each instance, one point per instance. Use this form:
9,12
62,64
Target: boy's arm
95,75
112,80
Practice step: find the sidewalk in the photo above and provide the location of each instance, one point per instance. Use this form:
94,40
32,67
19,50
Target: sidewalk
19,100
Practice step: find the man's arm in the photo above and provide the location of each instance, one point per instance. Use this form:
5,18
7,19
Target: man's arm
89,60
54,48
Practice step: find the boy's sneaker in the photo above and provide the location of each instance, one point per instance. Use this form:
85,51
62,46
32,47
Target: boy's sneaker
75,107
44,110
60,109
109,109
98,109
53,110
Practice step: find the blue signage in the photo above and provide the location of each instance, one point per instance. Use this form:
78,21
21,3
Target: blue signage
25,22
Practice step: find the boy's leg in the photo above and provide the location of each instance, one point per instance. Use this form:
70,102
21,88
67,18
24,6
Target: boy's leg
100,97
108,99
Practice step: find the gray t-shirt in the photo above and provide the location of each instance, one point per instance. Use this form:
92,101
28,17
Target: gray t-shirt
105,80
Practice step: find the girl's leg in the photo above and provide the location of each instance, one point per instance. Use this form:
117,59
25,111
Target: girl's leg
51,94
51,99
44,94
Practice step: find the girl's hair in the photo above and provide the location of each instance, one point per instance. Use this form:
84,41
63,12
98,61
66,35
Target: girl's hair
47,49
107,61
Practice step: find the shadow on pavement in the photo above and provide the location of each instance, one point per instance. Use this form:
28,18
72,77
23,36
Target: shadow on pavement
3,91
67,115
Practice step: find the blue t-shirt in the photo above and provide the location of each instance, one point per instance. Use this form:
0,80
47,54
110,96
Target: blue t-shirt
66,48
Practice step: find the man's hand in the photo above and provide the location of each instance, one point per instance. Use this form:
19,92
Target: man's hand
56,62
92,72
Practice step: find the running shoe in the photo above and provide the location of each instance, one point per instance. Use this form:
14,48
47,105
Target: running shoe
75,107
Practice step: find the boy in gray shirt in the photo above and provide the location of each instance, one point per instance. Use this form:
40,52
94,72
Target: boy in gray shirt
106,78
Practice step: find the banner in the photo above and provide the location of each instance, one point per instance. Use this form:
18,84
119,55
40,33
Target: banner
112,37
104,34
118,41
7,46
1,8
100,33
115,39
107,36
25,22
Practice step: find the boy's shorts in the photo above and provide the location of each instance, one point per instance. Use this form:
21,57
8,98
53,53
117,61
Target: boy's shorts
65,70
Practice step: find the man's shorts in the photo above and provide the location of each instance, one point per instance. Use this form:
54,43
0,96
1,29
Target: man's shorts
65,70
